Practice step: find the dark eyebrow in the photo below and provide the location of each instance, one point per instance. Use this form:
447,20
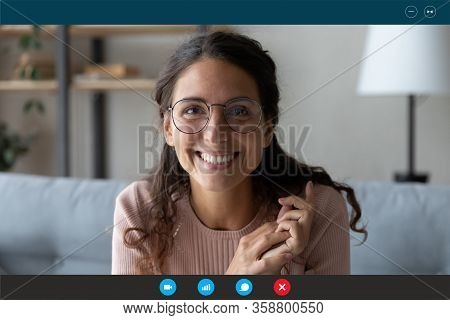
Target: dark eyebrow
203,100
192,98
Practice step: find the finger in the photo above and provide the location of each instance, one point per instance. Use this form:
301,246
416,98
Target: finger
292,202
283,210
309,192
296,246
292,215
293,227
267,241
272,265
301,218
299,236
277,250
299,202
267,227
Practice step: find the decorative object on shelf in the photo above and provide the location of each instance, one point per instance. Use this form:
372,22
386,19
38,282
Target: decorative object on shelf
30,66
13,145
61,84
108,71
407,61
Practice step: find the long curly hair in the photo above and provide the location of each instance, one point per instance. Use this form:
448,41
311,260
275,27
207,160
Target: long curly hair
278,174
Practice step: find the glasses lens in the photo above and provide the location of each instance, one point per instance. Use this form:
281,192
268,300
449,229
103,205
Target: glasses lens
243,115
190,116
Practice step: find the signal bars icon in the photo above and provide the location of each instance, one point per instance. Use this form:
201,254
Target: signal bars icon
205,287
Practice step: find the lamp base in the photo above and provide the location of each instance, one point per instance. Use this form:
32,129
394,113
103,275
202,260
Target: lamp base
411,177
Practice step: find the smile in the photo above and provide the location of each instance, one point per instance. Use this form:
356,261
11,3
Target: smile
217,159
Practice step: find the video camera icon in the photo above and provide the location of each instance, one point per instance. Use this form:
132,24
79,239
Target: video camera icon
167,287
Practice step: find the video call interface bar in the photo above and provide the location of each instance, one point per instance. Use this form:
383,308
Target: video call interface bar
224,12
224,287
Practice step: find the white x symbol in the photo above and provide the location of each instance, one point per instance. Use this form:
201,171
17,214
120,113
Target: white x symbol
281,287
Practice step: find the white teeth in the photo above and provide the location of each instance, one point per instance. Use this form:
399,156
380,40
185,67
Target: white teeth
217,159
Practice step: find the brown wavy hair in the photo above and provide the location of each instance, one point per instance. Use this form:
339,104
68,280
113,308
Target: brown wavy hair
278,174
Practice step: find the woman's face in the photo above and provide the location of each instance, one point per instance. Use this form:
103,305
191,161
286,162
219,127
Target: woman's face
217,158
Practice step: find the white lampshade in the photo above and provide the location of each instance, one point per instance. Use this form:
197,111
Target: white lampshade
414,61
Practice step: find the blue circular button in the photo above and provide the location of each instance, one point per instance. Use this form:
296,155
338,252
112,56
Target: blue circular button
244,287
205,287
167,287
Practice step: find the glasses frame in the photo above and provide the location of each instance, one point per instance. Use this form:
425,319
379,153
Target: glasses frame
170,109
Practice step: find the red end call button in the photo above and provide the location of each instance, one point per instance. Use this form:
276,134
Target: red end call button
282,287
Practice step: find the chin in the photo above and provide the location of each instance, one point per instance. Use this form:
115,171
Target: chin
216,183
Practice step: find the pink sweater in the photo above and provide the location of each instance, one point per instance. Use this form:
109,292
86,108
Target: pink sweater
200,250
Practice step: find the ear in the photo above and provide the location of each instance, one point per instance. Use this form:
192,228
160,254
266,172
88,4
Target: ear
168,131
268,134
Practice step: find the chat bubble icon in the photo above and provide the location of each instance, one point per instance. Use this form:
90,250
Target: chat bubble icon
244,287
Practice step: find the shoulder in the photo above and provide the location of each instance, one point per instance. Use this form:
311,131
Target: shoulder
135,194
328,202
131,200
330,213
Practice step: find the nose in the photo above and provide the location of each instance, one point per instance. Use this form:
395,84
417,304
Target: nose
217,129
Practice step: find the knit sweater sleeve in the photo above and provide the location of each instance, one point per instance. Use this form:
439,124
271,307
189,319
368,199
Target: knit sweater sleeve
328,251
126,215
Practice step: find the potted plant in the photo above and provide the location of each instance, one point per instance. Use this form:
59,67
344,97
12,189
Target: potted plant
13,145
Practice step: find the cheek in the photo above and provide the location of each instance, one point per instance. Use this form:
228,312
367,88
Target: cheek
253,151
183,146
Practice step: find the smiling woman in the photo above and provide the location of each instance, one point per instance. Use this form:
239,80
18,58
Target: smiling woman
225,198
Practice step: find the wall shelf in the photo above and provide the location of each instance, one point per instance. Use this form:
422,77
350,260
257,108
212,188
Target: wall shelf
114,84
28,85
105,30
79,85
65,83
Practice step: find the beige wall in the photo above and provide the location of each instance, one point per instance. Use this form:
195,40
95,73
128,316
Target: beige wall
352,136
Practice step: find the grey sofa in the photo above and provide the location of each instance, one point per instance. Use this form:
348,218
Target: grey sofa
63,226
43,220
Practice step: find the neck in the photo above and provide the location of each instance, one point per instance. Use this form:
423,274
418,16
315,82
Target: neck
227,210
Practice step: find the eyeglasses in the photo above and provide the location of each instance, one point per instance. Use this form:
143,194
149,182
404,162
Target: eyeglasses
191,116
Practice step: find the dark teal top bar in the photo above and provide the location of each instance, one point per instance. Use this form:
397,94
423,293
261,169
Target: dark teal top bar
224,12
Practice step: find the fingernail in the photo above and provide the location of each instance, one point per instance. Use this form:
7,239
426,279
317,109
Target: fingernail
309,186
281,200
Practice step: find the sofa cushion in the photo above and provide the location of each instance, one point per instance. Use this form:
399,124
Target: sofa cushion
62,226
408,227
46,220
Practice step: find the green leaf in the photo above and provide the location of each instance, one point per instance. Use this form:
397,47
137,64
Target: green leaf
31,104
35,73
40,107
24,41
9,157
28,106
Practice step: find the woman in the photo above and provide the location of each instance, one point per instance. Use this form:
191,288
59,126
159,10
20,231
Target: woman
225,198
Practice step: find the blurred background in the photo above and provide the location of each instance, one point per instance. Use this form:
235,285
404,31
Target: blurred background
77,125
352,135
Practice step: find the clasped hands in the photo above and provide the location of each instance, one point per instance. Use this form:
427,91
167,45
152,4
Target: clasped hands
267,249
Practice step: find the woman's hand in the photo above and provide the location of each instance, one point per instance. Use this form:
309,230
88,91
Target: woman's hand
295,217
247,259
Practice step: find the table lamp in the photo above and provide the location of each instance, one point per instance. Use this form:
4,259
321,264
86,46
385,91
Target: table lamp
407,61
